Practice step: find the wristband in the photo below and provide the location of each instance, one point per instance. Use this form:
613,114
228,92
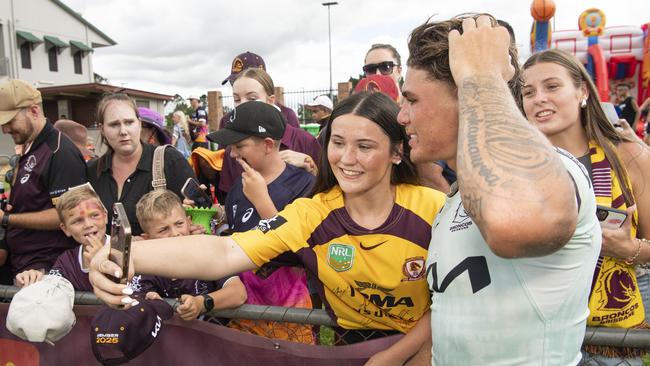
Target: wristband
5,220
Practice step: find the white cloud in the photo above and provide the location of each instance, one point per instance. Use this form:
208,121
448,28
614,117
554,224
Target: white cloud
171,46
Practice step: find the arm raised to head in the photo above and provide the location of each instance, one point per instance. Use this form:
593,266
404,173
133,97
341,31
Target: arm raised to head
512,181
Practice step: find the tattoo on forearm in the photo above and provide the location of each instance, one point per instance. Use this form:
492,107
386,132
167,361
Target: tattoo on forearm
496,140
497,148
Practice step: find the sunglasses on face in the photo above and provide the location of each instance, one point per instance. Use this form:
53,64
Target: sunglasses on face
385,68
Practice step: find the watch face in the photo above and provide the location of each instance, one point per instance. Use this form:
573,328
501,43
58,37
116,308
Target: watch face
208,302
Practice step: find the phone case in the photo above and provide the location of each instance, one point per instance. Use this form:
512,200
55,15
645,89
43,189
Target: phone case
191,190
120,241
610,218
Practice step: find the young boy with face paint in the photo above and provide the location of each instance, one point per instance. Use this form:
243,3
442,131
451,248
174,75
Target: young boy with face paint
83,217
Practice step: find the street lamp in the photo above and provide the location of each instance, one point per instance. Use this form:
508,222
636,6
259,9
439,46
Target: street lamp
329,37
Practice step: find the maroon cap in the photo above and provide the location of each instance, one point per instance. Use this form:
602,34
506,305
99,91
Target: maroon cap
378,83
118,336
242,62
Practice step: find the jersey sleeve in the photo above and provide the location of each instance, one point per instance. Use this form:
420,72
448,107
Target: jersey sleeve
148,284
288,231
58,269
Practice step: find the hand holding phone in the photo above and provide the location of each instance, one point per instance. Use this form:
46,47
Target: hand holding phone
120,242
610,218
192,191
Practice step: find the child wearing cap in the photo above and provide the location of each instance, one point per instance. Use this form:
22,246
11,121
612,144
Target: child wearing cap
83,217
266,185
161,215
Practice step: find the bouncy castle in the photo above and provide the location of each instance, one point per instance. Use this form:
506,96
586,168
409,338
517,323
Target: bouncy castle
612,55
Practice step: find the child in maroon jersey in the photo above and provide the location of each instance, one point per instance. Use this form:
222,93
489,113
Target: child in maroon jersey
83,217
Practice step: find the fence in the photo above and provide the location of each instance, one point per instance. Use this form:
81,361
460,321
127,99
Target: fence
294,99
634,338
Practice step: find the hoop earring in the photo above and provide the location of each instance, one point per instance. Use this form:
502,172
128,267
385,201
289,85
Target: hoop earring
583,104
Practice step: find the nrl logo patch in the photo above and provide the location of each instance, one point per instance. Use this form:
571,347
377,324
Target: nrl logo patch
340,257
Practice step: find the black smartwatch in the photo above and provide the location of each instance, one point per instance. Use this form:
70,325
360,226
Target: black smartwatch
5,220
208,303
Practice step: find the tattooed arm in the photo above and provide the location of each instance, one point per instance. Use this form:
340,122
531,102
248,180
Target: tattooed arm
511,180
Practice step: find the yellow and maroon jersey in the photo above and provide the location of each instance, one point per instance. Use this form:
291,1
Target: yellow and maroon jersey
368,278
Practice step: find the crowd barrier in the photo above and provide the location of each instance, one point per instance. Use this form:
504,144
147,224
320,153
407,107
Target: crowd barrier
200,342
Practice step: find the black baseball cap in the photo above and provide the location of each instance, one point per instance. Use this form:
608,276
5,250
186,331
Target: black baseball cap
118,336
248,119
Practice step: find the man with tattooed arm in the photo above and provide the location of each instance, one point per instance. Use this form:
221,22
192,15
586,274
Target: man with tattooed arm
514,248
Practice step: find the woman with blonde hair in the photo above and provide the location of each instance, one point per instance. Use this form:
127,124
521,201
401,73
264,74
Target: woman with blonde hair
179,133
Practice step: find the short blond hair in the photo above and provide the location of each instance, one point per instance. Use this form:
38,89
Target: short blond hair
157,203
73,198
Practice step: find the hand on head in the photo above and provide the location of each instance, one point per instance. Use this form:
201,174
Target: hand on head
481,50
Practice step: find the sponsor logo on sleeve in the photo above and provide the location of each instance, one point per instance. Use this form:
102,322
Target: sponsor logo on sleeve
271,224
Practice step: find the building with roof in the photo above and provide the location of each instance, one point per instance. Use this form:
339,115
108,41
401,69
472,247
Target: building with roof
48,44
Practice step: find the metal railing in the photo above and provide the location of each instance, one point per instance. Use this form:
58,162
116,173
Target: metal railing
633,338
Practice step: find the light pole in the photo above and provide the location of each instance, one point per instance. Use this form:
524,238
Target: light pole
329,37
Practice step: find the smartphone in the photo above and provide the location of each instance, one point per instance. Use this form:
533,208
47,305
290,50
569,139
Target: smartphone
610,112
610,218
192,191
120,241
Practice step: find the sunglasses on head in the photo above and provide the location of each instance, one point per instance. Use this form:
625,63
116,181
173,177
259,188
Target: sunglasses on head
385,68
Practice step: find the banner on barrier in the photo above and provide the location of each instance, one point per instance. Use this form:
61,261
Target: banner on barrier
194,343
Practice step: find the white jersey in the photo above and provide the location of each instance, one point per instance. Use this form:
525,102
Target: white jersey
487,310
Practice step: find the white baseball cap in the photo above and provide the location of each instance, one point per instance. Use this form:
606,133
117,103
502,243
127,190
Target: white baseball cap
42,312
323,101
